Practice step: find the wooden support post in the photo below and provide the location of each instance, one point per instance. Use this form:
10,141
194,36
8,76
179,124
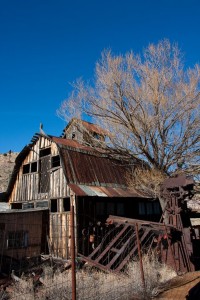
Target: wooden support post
140,256
73,253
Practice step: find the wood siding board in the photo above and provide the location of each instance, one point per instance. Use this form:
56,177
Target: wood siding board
27,221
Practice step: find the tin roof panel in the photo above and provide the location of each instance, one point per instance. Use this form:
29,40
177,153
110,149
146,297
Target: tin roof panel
91,191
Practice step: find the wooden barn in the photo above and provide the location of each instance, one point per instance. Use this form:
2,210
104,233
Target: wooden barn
55,172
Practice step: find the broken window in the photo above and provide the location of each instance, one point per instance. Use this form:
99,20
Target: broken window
142,208
149,207
55,161
26,169
45,152
28,205
34,167
16,205
30,168
96,136
110,208
100,208
17,239
120,209
156,208
43,203
54,205
66,204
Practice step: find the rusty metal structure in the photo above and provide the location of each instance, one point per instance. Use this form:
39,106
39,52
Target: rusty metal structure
172,238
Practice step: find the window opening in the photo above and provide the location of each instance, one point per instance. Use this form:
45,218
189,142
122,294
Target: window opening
34,167
17,239
120,209
45,152
16,205
42,203
156,208
66,204
55,161
100,208
141,208
96,136
110,208
26,169
54,205
149,208
28,205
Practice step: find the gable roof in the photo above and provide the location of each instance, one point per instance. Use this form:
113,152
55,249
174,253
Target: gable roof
82,165
93,128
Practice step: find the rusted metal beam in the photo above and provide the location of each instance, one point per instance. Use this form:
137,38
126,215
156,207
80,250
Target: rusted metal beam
73,254
121,220
131,253
169,244
111,243
140,255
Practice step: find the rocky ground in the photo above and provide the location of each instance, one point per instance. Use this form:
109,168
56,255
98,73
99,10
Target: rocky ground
7,161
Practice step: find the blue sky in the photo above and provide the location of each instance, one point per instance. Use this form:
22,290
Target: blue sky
46,44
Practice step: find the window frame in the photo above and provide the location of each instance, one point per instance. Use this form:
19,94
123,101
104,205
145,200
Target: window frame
17,239
55,163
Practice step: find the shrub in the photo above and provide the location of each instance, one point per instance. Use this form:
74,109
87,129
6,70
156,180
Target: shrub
97,285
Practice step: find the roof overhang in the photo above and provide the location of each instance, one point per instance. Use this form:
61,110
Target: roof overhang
101,191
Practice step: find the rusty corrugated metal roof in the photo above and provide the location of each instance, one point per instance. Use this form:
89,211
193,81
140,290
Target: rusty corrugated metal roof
92,169
88,126
94,128
70,143
181,180
84,166
100,191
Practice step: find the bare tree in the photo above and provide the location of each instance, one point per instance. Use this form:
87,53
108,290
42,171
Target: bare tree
149,103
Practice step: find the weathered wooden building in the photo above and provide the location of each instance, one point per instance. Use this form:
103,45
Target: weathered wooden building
54,173
23,233
83,131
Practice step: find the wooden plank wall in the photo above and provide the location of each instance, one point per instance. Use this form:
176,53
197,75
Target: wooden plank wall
22,221
59,234
26,190
27,185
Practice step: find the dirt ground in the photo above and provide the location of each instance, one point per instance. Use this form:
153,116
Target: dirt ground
180,286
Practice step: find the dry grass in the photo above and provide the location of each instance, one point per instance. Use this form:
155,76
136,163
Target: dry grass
96,285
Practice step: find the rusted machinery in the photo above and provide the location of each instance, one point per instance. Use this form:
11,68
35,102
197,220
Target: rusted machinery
172,239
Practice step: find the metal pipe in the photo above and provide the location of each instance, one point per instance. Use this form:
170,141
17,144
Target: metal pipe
73,253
